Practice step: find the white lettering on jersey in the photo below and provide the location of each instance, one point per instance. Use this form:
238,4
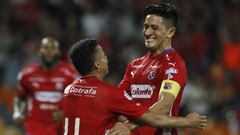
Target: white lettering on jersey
37,79
141,91
88,91
58,79
127,95
48,96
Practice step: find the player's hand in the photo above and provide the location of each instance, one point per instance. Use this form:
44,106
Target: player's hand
120,128
197,121
18,118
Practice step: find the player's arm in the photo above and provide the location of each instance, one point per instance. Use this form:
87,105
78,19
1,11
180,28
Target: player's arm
167,95
19,107
155,120
174,79
192,120
124,120
20,101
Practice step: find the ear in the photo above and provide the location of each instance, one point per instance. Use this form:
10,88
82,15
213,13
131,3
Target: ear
97,66
171,32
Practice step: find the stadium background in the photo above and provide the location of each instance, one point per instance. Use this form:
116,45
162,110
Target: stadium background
208,39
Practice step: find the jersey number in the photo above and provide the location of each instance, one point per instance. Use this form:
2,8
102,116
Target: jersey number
76,126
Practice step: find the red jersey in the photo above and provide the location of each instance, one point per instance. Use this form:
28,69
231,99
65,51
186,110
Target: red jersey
143,79
43,90
91,107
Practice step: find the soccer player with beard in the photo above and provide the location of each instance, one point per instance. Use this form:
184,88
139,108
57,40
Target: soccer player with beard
159,75
91,106
40,89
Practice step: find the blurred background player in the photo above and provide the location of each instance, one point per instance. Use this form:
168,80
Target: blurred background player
161,73
91,106
40,89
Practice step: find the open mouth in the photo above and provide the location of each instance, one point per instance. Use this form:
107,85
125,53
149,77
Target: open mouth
149,38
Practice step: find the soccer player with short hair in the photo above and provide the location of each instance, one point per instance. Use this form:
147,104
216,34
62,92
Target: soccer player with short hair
91,106
159,75
40,89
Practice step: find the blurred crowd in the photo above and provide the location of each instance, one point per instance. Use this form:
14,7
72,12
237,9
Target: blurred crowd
208,38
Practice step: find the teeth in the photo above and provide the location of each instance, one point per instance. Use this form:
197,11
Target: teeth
151,39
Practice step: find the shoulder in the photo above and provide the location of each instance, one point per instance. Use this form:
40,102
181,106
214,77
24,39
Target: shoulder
108,87
67,68
173,64
28,70
63,64
174,58
138,60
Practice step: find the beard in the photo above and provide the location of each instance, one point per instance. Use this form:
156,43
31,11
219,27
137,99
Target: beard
51,63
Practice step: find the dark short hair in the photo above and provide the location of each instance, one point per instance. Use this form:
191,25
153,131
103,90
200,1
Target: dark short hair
165,10
82,55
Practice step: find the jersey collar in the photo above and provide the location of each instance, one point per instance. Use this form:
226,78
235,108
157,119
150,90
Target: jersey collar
164,52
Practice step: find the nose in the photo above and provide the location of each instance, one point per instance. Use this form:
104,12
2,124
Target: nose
147,31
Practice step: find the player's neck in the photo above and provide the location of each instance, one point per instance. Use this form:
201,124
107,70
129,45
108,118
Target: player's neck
159,50
96,74
48,67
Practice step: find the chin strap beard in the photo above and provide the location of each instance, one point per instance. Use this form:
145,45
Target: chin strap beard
50,65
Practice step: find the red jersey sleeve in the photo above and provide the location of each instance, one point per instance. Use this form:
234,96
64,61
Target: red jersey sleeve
122,103
69,70
175,69
125,83
75,74
21,84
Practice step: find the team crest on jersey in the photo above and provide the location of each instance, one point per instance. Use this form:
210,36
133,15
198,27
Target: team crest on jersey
167,85
151,75
171,71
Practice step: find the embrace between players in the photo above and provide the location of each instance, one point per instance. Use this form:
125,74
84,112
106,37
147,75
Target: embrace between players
145,103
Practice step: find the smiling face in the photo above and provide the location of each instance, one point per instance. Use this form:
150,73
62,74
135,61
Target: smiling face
156,32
